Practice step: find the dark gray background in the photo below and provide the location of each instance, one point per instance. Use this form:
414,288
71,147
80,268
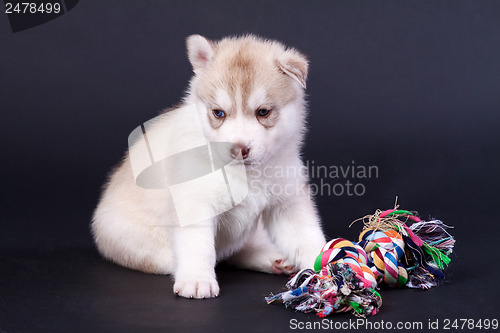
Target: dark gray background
409,86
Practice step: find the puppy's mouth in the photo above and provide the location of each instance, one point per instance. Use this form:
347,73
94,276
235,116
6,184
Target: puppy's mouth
243,161
250,162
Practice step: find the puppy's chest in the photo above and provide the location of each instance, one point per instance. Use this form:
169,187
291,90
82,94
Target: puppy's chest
249,209
269,188
245,215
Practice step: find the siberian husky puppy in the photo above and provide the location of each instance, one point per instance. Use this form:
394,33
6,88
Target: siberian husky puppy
248,92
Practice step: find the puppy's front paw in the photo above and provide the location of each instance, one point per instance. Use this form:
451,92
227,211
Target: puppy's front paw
200,288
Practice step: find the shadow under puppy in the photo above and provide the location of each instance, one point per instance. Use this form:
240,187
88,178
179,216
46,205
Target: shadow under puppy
248,92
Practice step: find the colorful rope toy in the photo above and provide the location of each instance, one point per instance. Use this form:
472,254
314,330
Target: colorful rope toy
347,274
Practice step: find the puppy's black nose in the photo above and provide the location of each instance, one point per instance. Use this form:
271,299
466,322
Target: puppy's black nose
245,151
237,148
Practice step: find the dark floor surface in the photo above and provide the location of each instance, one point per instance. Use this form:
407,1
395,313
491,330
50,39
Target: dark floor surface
74,290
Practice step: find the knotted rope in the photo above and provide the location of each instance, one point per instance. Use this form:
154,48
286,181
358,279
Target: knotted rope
389,251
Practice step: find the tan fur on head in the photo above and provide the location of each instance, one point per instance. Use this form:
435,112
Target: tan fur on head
241,76
241,52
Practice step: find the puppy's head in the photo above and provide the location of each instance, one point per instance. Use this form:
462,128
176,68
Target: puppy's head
250,92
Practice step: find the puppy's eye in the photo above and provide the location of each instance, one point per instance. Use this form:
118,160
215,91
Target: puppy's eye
263,112
218,113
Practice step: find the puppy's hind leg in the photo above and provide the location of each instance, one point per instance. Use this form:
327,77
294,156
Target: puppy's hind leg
132,244
260,254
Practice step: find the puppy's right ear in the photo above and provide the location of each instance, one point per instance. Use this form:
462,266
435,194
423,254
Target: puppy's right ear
200,52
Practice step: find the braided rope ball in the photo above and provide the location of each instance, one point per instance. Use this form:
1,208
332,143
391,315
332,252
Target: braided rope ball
384,252
341,250
346,274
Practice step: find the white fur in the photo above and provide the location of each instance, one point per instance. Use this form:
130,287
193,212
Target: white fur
257,98
222,99
200,52
269,231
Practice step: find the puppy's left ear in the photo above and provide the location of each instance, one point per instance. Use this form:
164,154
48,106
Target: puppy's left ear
294,64
200,52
